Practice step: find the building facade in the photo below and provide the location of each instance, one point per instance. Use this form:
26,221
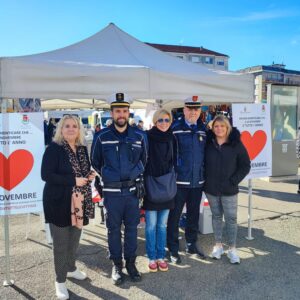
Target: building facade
200,55
275,73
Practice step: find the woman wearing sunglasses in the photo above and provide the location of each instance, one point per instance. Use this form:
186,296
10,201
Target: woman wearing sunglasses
160,162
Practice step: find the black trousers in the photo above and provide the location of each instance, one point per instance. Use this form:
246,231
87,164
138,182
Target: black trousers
65,245
122,208
192,198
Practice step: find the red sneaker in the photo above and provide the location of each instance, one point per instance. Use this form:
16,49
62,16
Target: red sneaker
162,265
152,266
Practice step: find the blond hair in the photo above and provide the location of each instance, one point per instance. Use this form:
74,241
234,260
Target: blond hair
159,113
58,138
224,120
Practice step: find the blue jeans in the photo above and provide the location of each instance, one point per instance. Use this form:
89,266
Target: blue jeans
156,233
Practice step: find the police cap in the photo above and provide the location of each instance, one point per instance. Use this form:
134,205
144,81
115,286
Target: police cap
193,102
119,100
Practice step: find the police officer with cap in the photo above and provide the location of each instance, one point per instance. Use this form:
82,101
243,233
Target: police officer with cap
119,155
190,140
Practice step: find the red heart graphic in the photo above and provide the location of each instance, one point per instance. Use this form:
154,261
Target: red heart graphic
254,144
15,169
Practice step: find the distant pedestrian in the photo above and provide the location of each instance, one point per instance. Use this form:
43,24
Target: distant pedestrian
108,122
51,129
210,114
46,136
141,125
97,128
226,165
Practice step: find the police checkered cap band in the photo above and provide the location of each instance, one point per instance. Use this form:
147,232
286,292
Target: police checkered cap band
193,101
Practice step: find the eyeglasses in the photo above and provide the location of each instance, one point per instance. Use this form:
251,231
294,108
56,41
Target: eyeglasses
163,120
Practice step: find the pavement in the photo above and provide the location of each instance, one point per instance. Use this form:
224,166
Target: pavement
269,269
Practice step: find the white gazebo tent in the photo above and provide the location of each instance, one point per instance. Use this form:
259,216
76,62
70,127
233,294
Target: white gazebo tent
110,61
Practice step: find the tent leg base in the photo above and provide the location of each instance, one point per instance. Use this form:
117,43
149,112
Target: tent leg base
8,282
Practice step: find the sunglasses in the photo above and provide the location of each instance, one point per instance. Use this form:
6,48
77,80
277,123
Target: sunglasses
163,120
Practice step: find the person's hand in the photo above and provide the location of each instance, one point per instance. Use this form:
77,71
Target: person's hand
81,181
91,176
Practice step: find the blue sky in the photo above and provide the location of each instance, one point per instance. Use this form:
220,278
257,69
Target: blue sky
250,32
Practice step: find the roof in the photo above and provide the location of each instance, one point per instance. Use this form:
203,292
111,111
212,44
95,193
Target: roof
271,68
185,49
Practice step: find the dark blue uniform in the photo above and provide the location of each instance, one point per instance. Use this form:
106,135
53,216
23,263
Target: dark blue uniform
120,159
189,161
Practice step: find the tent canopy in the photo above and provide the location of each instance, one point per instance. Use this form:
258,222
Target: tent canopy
113,61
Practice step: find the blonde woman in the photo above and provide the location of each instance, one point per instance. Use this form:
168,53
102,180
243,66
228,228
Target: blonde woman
226,164
67,197
160,162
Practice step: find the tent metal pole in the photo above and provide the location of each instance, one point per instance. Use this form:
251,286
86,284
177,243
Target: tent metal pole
249,236
27,229
5,125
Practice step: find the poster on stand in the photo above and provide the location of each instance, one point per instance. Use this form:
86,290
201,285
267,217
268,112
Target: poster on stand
253,121
21,151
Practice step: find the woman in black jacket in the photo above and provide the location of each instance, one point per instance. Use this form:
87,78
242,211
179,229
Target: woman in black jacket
160,162
67,197
226,165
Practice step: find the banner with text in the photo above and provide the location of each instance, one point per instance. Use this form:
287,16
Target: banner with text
253,121
21,151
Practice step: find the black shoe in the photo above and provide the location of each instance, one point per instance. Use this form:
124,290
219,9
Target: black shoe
132,271
298,191
117,275
192,248
174,258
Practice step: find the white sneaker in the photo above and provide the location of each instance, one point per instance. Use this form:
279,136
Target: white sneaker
79,275
217,252
233,256
61,291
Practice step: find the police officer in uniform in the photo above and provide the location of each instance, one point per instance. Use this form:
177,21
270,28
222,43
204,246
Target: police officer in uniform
190,137
119,155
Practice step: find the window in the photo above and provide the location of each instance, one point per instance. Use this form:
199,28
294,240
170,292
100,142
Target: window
209,60
284,113
195,59
274,77
179,56
220,62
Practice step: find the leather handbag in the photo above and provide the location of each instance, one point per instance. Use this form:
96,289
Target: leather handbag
161,189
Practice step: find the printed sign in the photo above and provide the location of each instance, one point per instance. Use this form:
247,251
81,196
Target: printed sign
21,151
253,121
